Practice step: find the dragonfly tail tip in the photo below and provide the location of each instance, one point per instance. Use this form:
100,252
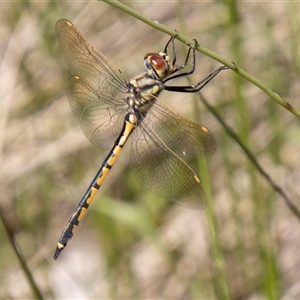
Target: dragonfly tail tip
57,252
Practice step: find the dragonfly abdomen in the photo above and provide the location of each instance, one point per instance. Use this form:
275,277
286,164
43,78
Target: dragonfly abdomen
130,123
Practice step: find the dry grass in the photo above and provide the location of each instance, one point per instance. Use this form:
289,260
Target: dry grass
131,244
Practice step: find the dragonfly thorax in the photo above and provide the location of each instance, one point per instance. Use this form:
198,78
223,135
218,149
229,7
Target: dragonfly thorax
142,92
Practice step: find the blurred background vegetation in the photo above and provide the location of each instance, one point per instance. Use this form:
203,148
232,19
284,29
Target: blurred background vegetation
131,244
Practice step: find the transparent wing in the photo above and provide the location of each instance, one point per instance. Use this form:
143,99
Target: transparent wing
164,173
185,137
96,94
160,143
100,119
87,62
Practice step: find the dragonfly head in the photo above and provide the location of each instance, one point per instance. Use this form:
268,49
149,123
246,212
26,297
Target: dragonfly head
160,64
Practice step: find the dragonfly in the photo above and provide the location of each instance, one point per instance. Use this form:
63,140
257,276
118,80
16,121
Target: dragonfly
110,109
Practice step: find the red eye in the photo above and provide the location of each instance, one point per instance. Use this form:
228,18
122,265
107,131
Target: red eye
157,62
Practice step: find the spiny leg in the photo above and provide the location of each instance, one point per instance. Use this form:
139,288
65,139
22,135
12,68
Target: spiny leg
197,87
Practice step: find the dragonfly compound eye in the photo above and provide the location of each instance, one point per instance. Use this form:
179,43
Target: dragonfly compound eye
158,63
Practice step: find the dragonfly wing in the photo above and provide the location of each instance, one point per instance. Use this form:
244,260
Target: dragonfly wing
186,138
160,170
100,119
88,63
96,92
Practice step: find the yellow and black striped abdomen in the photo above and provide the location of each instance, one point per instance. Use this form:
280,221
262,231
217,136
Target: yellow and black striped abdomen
128,127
